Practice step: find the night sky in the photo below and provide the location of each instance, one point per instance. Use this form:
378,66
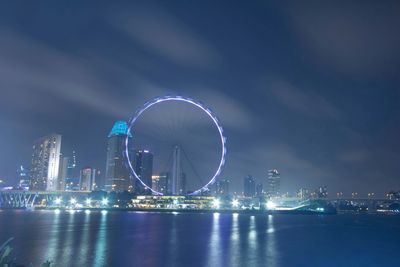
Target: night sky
311,89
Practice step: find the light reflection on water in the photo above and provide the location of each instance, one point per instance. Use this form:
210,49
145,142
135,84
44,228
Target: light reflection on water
214,258
101,241
155,239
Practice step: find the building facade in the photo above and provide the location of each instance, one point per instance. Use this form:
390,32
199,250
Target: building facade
87,181
222,187
274,183
143,166
46,163
249,186
117,176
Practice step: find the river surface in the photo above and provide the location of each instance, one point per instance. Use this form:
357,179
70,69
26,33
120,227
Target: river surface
116,238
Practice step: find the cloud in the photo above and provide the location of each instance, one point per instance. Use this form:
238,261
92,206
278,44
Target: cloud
33,74
159,32
306,103
349,37
354,156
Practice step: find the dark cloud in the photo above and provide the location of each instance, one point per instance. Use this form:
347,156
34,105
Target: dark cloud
349,36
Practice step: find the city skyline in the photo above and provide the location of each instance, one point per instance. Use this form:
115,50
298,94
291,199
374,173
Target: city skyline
322,112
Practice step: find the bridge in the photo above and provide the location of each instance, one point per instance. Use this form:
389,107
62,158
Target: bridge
28,199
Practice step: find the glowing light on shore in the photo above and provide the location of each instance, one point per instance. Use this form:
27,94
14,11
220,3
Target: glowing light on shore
271,205
216,203
58,201
235,203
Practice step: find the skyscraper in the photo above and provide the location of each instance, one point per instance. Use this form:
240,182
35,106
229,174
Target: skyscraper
87,179
117,177
274,183
45,163
62,173
143,165
72,175
259,190
249,186
222,187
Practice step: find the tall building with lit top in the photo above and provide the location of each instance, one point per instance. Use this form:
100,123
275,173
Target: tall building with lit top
117,176
274,183
46,163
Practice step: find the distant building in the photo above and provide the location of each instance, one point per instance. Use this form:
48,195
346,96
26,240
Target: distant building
72,175
303,193
62,173
249,186
23,178
222,187
321,192
143,166
87,180
46,163
160,182
182,184
117,176
274,183
259,190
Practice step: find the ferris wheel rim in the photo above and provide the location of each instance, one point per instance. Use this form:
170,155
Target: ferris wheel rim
196,103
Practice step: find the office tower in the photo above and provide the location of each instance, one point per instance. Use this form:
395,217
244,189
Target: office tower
117,176
62,173
274,182
45,163
259,190
87,181
143,166
222,187
249,186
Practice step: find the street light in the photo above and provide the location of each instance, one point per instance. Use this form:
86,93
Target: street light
216,203
88,201
58,201
271,205
73,201
104,202
235,203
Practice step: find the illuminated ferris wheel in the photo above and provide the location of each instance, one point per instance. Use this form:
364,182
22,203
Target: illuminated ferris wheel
183,134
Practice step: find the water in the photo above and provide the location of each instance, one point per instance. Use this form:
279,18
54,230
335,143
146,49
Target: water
160,239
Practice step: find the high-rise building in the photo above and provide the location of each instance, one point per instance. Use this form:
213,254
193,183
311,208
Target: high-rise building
117,176
259,190
143,166
72,174
62,173
274,183
23,178
222,187
46,163
249,186
87,181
